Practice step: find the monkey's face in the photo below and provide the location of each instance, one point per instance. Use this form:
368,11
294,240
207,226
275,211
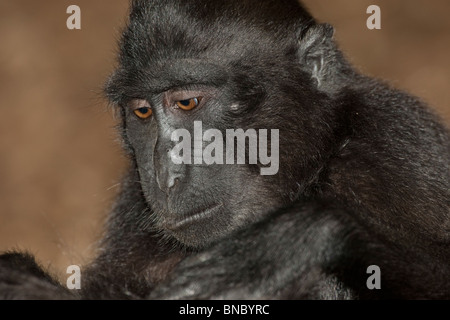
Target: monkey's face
180,139
175,82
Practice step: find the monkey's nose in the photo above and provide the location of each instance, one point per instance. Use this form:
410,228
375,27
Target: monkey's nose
167,179
168,174
172,181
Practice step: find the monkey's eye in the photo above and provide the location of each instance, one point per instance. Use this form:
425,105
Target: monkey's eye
188,104
143,113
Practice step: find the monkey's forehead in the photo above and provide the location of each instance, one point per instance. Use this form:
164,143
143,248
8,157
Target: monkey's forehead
164,76
164,30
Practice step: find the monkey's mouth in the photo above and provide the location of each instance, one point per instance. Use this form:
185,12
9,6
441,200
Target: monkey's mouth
194,217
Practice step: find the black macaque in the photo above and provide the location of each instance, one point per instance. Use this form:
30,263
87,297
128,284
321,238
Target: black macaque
363,175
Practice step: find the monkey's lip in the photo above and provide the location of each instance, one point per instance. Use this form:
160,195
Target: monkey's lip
193,217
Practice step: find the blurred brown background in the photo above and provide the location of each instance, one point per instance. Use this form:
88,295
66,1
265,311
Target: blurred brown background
60,162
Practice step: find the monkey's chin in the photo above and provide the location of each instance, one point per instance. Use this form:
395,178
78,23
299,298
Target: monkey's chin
200,228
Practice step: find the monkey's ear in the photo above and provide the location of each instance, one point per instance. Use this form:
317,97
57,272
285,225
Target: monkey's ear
316,51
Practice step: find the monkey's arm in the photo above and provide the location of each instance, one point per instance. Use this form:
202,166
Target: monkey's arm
284,257
310,252
22,278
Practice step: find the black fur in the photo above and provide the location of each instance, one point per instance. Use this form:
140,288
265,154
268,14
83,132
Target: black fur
364,173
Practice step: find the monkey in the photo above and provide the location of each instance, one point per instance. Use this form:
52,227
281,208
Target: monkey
363,173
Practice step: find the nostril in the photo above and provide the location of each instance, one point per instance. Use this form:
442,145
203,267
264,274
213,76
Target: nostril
172,183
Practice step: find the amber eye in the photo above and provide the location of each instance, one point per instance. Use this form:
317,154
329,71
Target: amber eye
143,112
188,104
